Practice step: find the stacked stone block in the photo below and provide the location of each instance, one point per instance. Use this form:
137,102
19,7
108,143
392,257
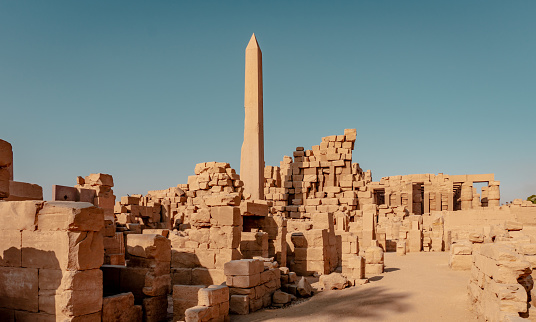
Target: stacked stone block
50,267
461,255
314,252
374,261
199,253
499,284
251,284
121,308
135,213
212,305
147,274
353,265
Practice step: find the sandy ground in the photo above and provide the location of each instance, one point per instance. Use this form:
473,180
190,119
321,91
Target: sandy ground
415,287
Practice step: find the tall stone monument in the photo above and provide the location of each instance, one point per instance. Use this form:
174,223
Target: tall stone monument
252,157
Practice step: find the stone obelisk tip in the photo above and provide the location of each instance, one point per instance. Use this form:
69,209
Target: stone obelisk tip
253,42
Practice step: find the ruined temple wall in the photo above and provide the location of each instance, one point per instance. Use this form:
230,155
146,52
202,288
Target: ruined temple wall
50,260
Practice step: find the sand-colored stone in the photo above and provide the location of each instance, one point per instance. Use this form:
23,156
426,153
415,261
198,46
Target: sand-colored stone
252,156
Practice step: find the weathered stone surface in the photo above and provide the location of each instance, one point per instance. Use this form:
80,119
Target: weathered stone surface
184,297
121,308
99,179
10,248
239,304
333,281
303,288
19,288
155,308
149,246
21,191
198,313
213,295
70,293
244,267
281,297
64,250
68,215
21,215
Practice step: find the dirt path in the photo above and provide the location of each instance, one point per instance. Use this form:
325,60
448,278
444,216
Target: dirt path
415,287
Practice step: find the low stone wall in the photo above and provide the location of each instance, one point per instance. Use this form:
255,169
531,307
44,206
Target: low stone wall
500,282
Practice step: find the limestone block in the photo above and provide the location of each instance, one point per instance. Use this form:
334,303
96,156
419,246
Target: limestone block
225,237
183,259
206,276
316,237
373,269
374,255
499,252
163,232
182,276
460,262
198,313
184,297
149,246
70,293
20,191
303,288
401,247
461,248
357,264
227,255
222,199
333,281
65,250
68,215
21,215
213,295
526,249
513,225
156,285
207,258
244,267
243,281
239,304
200,235
257,208
155,308
10,248
281,297
99,179
19,288
255,304
226,216
121,308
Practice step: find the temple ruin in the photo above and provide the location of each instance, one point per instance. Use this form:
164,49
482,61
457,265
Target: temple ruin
226,244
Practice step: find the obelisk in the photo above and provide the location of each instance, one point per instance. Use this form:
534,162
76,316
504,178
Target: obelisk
252,157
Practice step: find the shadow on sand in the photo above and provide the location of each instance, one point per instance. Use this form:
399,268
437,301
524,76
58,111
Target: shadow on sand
370,302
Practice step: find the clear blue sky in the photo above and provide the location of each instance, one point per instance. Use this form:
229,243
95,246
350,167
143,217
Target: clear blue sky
145,90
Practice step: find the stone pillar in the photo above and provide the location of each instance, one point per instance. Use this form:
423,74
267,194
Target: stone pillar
466,195
252,158
494,194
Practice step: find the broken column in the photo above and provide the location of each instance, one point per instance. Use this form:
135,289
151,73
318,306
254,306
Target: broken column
252,157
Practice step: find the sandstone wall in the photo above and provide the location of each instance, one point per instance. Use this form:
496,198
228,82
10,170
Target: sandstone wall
50,260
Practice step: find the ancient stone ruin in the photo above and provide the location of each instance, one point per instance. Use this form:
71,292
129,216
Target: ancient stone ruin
226,244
